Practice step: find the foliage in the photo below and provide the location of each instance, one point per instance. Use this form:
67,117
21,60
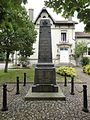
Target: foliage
7,8
28,35
24,61
69,7
2,56
17,32
86,69
20,32
69,71
80,49
85,61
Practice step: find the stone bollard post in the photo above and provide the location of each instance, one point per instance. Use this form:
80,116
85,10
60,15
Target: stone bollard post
72,85
24,79
65,83
17,86
85,102
4,108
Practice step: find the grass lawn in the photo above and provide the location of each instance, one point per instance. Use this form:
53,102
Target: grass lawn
61,79
11,75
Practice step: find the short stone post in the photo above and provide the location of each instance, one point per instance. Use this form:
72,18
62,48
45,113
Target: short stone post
24,79
4,108
85,102
17,86
72,85
65,82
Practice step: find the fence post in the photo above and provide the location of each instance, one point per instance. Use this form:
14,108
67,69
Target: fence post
17,86
85,102
24,79
72,85
65,82
4,108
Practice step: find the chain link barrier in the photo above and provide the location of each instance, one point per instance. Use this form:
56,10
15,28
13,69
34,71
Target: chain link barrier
11,89
78,90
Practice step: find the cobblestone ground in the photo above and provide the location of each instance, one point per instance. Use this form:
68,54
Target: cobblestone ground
19,109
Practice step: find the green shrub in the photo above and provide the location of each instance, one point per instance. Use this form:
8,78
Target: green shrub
69,71
86,69
23,61
85,61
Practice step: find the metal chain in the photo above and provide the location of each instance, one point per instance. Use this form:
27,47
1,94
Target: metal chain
78,90
11,89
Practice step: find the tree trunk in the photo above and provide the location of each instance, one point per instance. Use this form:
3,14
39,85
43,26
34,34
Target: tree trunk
77,62
6,62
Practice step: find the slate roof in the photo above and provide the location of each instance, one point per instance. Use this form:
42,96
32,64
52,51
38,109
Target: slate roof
44,10
54,21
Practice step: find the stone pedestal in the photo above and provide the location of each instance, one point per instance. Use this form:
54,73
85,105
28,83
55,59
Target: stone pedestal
45,78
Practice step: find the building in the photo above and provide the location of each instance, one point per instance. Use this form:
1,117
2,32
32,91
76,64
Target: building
84,37
63,39
63,36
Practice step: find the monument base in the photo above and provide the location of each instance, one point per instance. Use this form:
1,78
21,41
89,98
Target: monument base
44,88
45,78
45,95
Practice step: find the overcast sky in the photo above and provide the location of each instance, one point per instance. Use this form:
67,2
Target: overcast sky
37,5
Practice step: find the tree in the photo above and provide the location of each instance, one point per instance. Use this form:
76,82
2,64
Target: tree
80,49
6,7
69,7
15,27
28,35
2,56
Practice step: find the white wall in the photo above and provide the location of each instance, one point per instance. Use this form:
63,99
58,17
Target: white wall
55,37
55,34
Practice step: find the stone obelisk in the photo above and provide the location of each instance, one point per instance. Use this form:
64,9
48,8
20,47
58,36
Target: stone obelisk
45,75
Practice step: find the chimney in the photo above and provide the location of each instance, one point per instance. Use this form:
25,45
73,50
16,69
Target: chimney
70,18
31,14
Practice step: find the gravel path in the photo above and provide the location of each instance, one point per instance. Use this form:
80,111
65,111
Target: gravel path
19,109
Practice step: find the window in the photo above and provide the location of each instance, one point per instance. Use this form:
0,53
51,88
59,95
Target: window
88,51
64,48
61,48
63,36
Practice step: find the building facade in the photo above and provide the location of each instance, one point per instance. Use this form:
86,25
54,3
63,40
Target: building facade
63,37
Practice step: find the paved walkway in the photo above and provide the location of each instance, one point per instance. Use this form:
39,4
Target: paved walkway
2,66
71,109
85,78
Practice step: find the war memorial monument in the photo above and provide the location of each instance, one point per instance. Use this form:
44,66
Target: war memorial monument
45,86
